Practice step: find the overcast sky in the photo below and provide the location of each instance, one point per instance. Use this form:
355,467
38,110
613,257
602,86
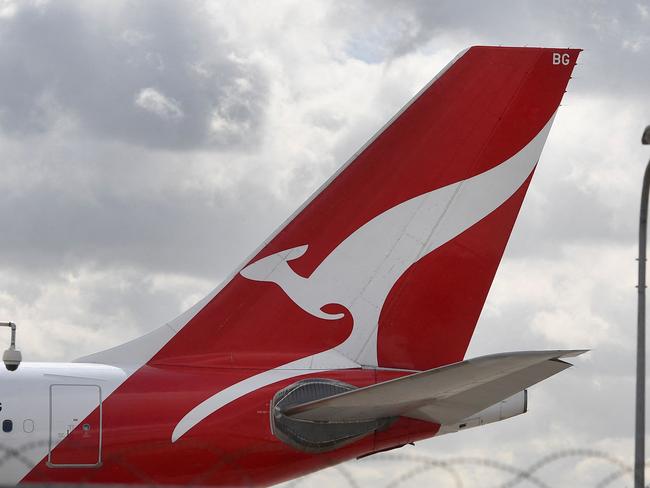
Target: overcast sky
148,147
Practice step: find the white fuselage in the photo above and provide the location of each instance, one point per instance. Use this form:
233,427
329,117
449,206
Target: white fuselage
41,403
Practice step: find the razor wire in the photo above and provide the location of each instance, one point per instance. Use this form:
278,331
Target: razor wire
529,475
455,468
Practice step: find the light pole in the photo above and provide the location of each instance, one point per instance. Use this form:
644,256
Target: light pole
639,432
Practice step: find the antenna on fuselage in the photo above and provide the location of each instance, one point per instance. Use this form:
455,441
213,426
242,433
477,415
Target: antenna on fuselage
11,357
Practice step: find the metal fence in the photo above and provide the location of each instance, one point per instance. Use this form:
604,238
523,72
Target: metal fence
457,468
407,468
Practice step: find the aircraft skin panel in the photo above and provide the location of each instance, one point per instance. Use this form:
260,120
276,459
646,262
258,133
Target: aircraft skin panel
25,400
380,274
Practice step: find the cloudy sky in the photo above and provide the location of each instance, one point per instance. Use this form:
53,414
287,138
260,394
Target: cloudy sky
148,147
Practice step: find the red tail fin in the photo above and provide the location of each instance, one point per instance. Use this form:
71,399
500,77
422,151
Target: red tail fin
390,262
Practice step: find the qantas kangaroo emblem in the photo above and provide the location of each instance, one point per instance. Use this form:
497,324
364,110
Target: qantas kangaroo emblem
361,271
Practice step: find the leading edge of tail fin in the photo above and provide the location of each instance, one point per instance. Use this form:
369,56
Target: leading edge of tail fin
390,262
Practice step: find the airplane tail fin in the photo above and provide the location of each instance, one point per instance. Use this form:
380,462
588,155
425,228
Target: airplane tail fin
390,262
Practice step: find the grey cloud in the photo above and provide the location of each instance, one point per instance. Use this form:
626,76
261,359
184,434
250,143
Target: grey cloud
54,226
152,100
568,217
94,66
615,35
65,315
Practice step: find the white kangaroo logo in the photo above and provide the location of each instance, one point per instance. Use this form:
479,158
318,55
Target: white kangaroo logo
360,272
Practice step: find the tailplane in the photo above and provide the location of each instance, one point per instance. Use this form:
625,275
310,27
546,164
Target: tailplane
311,415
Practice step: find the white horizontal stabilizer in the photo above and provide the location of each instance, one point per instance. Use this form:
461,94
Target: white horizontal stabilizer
442,395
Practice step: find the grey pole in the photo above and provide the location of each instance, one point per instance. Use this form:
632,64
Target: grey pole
639,431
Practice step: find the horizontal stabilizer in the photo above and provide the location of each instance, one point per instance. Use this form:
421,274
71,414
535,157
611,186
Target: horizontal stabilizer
442,395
